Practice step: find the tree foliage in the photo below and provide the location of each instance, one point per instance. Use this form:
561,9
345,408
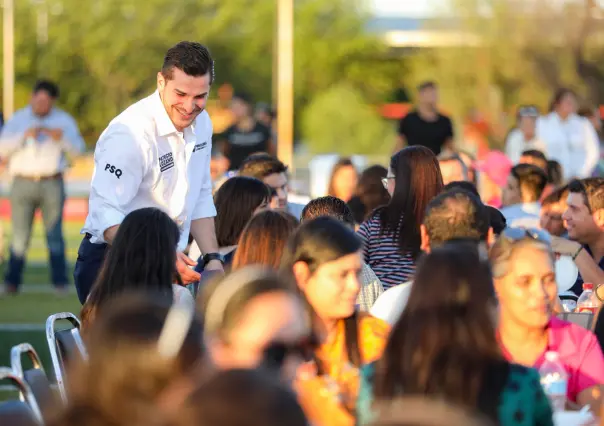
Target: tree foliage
105,54
519,51
339,120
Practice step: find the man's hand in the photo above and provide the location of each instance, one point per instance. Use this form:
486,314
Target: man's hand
55,134
31,133
187,274
564,247
214,265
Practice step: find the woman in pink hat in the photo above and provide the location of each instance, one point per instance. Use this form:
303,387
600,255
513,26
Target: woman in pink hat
494,169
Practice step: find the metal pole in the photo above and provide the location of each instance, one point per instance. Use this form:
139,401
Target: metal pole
8,51
285,83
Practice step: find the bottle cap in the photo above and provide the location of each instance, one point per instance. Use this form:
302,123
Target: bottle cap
588,286
551,356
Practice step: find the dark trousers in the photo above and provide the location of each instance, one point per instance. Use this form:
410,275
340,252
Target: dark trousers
26,196
90,260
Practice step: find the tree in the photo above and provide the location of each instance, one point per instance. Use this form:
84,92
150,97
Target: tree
105,54
340,120
521,52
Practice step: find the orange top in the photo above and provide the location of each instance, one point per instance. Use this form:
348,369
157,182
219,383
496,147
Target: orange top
324,398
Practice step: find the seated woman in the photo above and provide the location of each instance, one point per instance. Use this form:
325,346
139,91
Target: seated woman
142,257
263,239
142,351
255,317
444,346
237,200
324,256
523,268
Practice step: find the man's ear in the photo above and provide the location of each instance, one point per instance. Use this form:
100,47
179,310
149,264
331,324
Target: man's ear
161,81
490,237
425,243
302,274
599,218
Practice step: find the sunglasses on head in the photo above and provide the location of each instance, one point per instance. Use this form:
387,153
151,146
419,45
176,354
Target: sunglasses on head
513,235
276,353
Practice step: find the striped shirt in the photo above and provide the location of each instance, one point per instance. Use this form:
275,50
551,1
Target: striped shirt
381,252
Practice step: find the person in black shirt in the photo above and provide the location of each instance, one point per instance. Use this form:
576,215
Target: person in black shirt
425,125
247,136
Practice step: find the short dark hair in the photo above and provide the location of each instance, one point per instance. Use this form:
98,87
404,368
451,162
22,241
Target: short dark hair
427,85
191,58
328,206
554,172
555,197
456,214
497,220
261,165
47,86
592,190
531,180
461,184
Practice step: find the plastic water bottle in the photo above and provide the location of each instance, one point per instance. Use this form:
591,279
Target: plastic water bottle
554,380
588,301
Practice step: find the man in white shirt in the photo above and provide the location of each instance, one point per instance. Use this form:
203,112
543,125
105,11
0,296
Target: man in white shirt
34,142
157,154
571,140
521,195
452,215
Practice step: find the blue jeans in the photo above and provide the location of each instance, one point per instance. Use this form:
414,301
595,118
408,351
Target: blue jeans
26,197
88,265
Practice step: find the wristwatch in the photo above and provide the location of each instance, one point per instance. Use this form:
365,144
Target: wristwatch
208,257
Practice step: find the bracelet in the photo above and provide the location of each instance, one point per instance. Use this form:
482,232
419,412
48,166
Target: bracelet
577,253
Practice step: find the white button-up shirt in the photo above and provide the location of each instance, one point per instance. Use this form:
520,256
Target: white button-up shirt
572,142
42,157
141,160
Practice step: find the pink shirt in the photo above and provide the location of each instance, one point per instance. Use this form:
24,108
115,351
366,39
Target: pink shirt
579,351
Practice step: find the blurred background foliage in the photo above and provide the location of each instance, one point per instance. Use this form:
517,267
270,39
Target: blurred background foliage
104,54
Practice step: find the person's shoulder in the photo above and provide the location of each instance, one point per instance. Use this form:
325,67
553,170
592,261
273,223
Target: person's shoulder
203,122
375,327
565,331
443,118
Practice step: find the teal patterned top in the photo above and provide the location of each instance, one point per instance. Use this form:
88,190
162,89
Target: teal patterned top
522,401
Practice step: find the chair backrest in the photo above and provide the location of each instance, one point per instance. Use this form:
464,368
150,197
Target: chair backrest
35,377
64,344
584,319
16,412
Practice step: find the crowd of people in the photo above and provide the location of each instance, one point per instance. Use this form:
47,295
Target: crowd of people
422,293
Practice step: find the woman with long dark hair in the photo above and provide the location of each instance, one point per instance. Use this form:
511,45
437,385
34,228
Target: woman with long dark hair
324,256
142,257
236,201
391,235
444,345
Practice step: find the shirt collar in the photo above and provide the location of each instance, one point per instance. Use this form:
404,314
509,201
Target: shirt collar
162,120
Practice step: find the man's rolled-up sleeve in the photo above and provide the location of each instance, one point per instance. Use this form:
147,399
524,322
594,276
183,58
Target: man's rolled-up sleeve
120,166
204,207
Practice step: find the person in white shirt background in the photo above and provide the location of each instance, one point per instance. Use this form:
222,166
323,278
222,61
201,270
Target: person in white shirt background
34,143
157,154
570,139
524,136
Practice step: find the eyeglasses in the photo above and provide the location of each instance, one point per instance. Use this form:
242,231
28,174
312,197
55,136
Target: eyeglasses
513,235
385,181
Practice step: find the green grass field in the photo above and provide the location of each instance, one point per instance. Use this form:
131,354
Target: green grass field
22,317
